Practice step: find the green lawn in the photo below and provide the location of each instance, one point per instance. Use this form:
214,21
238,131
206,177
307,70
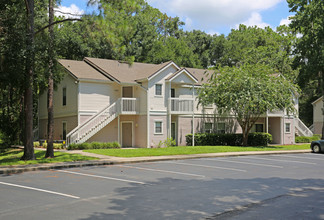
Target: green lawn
12,157
182,150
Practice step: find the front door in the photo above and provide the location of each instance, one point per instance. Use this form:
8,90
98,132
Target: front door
127,92
127,134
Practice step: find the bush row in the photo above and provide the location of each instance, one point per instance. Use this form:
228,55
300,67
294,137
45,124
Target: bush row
205,139
94,145
303,139
44,145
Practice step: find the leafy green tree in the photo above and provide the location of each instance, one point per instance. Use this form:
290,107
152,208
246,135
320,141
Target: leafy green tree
257,45
309,22
247,92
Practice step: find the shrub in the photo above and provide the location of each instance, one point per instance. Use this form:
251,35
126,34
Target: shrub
205,139
94,145
170,142
44,145
303,139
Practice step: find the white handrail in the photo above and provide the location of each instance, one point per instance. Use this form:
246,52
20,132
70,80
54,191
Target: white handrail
95,123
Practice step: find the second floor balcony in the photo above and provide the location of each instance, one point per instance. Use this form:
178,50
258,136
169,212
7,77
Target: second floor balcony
181,105
128,106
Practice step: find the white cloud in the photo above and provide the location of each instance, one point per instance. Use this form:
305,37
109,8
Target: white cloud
211,32
255,20
285,21
208,14
69,12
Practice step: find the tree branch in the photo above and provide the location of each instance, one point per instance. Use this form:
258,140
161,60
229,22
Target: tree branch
67,13
57,22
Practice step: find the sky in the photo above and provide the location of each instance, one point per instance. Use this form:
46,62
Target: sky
210,16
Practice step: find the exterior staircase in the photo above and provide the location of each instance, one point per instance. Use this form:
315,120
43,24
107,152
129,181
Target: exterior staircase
302,129
101,119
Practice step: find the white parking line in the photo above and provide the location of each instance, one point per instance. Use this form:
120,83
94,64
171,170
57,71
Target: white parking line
163,171
101,177
289,161
256,164
40,190
199,165
308,158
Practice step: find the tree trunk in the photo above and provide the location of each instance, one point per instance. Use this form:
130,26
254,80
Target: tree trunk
245,137
50,110
28,100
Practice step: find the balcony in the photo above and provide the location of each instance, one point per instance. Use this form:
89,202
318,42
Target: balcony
181,105
128,106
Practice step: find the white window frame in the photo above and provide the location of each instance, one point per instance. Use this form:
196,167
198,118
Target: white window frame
210,130
288,132
158,121
159,95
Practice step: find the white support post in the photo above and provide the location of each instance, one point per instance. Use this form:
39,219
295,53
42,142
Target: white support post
193,115
169,111
119,130
148,118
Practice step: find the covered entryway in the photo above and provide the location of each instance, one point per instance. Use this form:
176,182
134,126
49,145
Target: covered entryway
127,134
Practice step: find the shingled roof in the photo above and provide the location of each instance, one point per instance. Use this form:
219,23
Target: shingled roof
122,72
82,70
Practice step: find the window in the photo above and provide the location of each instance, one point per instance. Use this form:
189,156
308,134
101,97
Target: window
221,128
158,127
172,93
158,89
64,96
64,130
287,127
208,127
258,127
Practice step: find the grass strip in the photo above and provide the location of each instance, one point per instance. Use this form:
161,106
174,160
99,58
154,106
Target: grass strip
185,150
12,157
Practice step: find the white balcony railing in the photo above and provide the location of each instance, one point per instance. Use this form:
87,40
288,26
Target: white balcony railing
181,105
128,105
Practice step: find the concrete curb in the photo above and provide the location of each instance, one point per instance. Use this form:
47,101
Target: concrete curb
6,170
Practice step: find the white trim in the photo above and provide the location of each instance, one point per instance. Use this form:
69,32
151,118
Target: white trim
79,103
317,100
288,132
133,133
148,119
187,73
99,81
158,120
164,68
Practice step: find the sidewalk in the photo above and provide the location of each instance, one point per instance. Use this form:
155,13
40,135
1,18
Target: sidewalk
109,160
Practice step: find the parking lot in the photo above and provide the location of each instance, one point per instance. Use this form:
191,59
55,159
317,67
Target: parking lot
286,186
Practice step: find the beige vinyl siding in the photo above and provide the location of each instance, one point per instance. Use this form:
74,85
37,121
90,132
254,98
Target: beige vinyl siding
71,123
71,106
140,94
318,117
96,96
160,102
